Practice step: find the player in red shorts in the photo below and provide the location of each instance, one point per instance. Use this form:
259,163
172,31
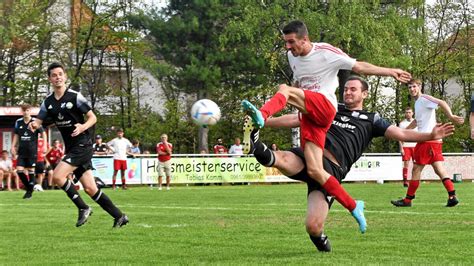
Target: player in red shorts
406,148
428,152
315,67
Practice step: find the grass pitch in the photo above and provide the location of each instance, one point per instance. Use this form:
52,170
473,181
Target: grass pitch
256,224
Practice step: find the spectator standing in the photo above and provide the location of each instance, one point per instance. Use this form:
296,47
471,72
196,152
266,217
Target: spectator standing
164,150
219,148
135,147
121,148
236,148
274,147
99,147
53,157
407,149
6,171
40,168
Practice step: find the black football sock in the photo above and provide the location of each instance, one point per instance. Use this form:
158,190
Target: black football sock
106,204
24,180
72,193
263,154
320,242
32,176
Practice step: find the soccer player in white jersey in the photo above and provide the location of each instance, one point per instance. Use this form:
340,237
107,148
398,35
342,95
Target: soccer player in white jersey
315,67
428,152
406,148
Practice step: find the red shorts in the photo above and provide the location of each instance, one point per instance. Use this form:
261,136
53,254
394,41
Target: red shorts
428,153
408,153
120,165
316,123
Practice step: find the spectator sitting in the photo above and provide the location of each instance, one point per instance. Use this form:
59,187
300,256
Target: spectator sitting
6,171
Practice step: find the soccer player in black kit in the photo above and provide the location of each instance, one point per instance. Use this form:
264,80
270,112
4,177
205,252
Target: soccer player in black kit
66,108
27,141
349,135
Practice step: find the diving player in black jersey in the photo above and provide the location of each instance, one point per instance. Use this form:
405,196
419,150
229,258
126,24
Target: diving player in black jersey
27,141
349,135
66,108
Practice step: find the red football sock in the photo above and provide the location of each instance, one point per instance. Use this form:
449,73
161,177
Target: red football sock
405,173
335,189
276,104
448,184
123,182
412,187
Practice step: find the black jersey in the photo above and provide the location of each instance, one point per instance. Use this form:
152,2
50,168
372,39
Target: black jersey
351,132
27,139
65,113
100,148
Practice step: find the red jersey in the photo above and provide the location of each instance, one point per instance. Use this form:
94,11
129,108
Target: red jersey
220,149
161,147
54,155
40,154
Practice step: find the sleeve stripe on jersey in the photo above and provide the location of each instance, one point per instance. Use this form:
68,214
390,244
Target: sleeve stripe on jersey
430,98
329,48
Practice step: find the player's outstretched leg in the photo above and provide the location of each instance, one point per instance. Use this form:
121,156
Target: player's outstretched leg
120,219
256,115
251,135
358,214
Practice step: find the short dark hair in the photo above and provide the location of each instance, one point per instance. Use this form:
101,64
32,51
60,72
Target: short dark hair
4,151
408,108
296,26
135,141
365,85
53,66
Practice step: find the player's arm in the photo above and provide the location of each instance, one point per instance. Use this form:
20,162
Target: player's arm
14,143
91,120
439,131
45,141
369,69
459,120
167,148
400,144
412,125
289,120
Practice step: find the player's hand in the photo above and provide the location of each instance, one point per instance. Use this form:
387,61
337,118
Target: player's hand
79,129
402,152
401,75
13,151
32,126
442,130
459,120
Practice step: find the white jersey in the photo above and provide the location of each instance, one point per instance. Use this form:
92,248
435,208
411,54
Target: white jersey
236,149
404,124
6,165
120,148
317,71
425,113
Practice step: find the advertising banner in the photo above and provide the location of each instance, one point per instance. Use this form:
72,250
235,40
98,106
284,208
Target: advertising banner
373,168
206,170
104,169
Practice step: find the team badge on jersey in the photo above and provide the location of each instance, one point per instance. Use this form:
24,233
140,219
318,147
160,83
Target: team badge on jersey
69,105
50,107
345,118
363,117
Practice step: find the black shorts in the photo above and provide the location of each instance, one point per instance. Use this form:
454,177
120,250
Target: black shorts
51,166
26,162
330,167
39,168
80,156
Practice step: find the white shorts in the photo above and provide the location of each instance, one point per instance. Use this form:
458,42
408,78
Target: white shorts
164,166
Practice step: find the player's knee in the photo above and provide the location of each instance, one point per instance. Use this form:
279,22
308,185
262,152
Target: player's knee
314,227
317,174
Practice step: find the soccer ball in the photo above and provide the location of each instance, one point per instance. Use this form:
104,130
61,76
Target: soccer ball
205,112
